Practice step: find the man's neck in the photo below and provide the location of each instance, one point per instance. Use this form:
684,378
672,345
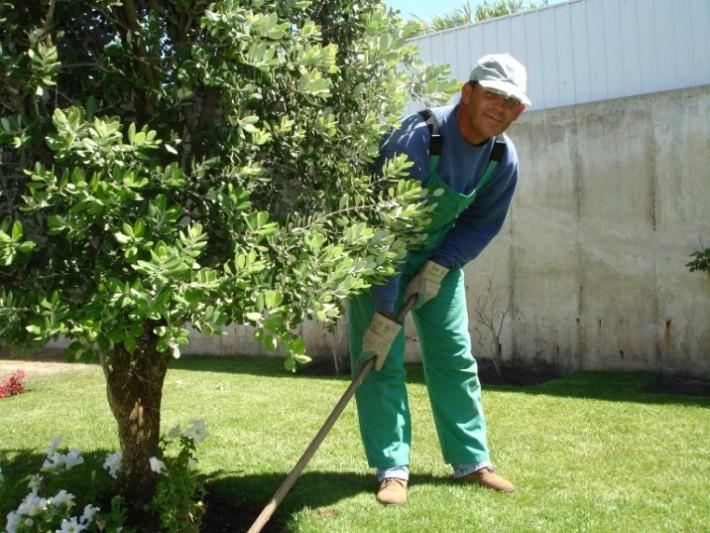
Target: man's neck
468,133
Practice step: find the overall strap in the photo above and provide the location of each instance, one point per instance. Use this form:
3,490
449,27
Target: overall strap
496,156
436,144
436,141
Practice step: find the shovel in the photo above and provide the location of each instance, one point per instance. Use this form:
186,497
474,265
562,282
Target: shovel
281,492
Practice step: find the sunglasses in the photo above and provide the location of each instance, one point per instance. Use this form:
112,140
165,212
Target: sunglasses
510,102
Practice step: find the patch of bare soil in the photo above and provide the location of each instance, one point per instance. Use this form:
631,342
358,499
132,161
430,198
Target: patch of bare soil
45,362
224,517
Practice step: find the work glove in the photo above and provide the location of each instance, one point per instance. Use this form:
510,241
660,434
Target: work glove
377,340
426,284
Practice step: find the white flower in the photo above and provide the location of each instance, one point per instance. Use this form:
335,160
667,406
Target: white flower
196,431
71,526
35,482
13,520
57,460
32,505
62,498
73,458
156,465
53,460
113,463
175,432
89,512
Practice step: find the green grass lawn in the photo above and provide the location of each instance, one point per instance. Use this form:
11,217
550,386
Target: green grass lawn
589,452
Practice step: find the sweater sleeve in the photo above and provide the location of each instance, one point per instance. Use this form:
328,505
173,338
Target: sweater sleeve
480,222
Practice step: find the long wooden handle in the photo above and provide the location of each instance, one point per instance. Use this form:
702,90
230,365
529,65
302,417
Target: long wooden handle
281,492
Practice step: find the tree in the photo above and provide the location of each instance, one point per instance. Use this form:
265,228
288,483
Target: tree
173,163
467,15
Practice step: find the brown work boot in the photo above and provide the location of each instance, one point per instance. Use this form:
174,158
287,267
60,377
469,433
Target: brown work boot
486,477
392,491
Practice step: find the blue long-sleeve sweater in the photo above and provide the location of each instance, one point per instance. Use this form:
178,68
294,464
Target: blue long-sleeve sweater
461,165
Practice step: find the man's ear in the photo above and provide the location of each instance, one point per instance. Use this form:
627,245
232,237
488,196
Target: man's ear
466,90
519,111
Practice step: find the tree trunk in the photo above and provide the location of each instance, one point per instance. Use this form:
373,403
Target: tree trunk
134,384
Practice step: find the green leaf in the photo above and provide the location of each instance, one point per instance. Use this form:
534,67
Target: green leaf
90,106
270,343
129,343
17,230
290,364
254,317
301,358
272,299
34,329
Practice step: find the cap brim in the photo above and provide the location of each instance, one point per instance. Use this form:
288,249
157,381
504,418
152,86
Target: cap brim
507,88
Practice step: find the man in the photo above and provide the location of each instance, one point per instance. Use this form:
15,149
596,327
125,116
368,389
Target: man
471,175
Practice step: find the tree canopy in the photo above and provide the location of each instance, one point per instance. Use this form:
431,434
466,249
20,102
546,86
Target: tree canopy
195,164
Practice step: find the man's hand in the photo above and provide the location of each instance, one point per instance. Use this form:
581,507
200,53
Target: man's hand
426,284
378,339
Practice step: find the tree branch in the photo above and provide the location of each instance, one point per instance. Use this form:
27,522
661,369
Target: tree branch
50,17
129,9
209,106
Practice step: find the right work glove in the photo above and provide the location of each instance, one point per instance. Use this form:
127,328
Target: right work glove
377,340
426,283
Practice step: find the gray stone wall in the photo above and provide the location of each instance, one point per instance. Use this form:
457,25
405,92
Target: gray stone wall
589,270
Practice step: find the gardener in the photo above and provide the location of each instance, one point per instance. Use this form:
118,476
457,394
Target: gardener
470,170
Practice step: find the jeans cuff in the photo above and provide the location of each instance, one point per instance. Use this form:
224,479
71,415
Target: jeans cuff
400,472
464,469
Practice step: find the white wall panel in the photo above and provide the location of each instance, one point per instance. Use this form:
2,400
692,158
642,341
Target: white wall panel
463,47
700,22
565,56
589,50
648,52
580,44
666,55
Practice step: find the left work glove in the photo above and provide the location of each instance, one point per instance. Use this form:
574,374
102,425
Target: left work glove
426,284
378,339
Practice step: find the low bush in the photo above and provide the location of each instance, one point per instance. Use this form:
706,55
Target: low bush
13,385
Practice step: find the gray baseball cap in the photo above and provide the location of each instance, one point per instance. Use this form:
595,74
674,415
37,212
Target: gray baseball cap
504,73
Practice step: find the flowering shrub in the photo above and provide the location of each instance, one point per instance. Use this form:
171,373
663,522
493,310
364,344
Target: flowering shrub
177,502
13,385
178,495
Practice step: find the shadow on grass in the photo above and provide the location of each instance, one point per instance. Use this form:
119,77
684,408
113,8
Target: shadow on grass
235,502
609,386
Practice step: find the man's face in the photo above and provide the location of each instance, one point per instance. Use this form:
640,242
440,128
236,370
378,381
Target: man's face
486,113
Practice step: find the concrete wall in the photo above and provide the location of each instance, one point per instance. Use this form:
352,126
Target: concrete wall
589,270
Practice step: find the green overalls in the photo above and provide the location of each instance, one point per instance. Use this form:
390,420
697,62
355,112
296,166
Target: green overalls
449,367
